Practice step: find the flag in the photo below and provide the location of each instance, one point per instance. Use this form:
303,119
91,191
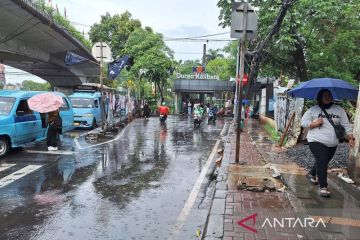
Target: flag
116,66
73,58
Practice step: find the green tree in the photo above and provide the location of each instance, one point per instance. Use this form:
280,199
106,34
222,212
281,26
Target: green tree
186,66
313,41
153,60
220,67
115,30
30,85
62,21
213,54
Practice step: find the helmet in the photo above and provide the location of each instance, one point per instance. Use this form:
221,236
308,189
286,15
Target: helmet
163,104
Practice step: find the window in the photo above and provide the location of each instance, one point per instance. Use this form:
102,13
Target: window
65,106
6,105
82,102
23,108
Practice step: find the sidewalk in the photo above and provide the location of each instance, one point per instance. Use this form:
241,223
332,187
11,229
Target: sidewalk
246,205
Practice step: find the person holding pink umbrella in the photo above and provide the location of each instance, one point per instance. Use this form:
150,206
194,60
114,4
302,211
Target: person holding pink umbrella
49,103
54,129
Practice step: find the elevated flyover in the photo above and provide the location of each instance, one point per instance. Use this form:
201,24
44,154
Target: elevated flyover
32,41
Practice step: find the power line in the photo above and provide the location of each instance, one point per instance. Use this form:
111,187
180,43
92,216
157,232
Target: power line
203,36
198,40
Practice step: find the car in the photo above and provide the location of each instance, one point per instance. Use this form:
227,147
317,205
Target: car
87,109
20,125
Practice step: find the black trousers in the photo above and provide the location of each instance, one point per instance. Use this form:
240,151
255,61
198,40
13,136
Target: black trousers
52,136
323,156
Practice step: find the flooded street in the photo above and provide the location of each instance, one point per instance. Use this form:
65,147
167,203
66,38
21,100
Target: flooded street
131,188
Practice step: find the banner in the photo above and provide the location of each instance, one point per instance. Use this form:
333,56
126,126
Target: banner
73,58
116,66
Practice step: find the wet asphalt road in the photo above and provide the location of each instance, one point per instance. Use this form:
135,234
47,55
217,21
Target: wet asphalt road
130,188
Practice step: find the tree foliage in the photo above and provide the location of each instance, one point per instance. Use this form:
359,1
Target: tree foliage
213,54
62,22
185,67
30,85
153,60
316,39
114,30
220,67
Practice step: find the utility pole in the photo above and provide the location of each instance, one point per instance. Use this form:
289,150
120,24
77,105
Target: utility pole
101,50
204,55
237,90
354,161
102,88
240,84
243,27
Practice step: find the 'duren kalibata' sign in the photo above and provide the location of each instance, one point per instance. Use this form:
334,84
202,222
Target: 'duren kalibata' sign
197,76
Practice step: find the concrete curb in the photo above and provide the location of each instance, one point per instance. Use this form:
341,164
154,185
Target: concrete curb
341,185
215,217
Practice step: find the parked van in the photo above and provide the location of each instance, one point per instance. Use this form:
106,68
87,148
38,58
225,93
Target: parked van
87,109
20,125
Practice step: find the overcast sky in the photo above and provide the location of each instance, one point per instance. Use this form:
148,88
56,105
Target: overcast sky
172,18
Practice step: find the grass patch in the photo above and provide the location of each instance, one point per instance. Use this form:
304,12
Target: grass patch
273,134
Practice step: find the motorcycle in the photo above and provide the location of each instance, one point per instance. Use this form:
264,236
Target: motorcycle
162,118
212,116
197,120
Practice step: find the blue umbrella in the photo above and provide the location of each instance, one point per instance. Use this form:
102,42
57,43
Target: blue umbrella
246,101
338,88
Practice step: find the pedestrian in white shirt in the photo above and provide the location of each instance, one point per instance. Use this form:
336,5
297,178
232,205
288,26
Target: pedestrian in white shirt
321,136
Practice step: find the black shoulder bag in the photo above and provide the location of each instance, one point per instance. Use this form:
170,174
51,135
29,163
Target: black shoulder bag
339,129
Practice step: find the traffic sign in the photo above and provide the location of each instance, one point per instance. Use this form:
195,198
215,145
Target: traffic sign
237,21
101,52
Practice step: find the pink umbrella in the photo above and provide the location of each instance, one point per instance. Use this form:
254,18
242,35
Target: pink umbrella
45,102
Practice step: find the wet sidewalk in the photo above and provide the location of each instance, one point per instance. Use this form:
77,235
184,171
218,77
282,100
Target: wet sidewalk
267,196
238,213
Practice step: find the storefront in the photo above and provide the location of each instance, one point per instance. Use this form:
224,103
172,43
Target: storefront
201,88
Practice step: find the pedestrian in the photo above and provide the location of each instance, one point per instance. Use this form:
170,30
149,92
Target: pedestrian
54,129
322,138
146,110
184,107
189,108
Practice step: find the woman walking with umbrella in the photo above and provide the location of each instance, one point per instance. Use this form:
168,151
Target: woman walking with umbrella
49,103
54,129
324,121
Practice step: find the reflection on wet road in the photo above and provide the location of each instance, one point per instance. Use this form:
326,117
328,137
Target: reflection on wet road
131,188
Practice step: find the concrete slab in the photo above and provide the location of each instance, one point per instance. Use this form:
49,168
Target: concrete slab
215,227
218,206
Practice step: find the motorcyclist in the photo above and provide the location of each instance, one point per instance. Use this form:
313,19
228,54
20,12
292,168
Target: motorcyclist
164,110
198,112
213,111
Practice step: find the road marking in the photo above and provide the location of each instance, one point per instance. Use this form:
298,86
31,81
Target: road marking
18,174
52,152
99,144
192,197
223,130
5,166
76,141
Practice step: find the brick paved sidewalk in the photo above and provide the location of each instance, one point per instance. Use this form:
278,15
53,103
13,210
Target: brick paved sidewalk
230,206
